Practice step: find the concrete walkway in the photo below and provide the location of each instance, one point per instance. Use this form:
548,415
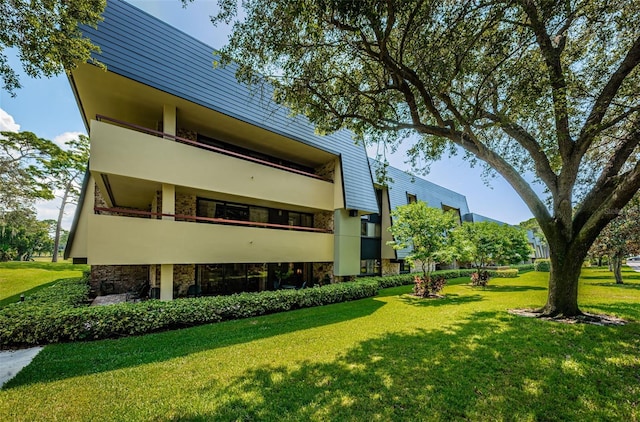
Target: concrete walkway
12,362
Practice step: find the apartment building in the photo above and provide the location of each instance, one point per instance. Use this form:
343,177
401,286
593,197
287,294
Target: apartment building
197,183
195,179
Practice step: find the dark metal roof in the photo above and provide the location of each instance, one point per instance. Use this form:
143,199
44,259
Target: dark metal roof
140,47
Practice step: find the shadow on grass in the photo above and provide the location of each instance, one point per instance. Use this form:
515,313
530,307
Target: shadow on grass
447,299
492,367
61,361
625,285
626,310
627,273
16,298
508,288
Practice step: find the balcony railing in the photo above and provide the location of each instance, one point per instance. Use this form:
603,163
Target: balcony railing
140,213
197,144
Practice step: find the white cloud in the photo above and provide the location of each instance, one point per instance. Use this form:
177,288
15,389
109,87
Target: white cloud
48,210
7,123
63,138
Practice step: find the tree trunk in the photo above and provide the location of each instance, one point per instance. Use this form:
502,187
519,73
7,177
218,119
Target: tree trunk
56,243
562,299
617,268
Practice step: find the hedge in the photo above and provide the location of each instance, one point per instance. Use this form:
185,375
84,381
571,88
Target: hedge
523,268
407,279
54,316
542,265
58,314
509,273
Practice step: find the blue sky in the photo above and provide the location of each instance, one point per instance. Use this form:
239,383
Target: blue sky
47,108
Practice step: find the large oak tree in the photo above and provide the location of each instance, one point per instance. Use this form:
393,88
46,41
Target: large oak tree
541,88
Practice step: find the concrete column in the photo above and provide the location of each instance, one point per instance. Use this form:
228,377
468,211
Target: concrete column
168,200
346,244
169,120
166,282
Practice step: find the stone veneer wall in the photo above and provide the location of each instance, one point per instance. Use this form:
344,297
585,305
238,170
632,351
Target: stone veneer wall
185,205
323,220
184,275
112,279
322,269
390,268
191,135
327,170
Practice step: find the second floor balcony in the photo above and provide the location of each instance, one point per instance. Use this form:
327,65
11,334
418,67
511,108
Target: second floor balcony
130,157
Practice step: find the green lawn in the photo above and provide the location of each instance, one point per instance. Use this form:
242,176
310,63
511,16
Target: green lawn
391,358
18,278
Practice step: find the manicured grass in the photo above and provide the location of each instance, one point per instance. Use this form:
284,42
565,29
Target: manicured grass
391,357
18,278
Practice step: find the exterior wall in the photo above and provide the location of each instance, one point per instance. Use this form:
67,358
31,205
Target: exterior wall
323,272
111,279
124,240
79,245
390,268
183,277
327,171
385,223
119,151
185,204
346,244
323,220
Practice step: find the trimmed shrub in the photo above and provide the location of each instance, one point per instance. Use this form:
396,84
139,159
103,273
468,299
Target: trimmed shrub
53,315
523,268
542,265
480,278
509,273
428,286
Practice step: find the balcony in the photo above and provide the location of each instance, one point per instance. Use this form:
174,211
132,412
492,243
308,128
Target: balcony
143,157
124,240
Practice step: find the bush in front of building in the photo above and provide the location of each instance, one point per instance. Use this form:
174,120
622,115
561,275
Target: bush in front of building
54,315
542,265
523,268
407,279
508,273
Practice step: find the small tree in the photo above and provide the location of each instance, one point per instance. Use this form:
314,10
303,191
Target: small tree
478,243
620,238
426,231
67,170
514,245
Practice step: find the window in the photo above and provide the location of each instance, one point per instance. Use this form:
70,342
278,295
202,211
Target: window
404,267
370,266
259,214
241,212
370,229
411,198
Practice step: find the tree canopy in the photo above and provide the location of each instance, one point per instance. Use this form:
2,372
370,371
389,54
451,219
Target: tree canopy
25,164
46,35
621,237
488,242
426,231
538,90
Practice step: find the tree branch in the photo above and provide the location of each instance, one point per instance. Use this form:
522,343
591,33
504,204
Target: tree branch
558,83
592,125
529,143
